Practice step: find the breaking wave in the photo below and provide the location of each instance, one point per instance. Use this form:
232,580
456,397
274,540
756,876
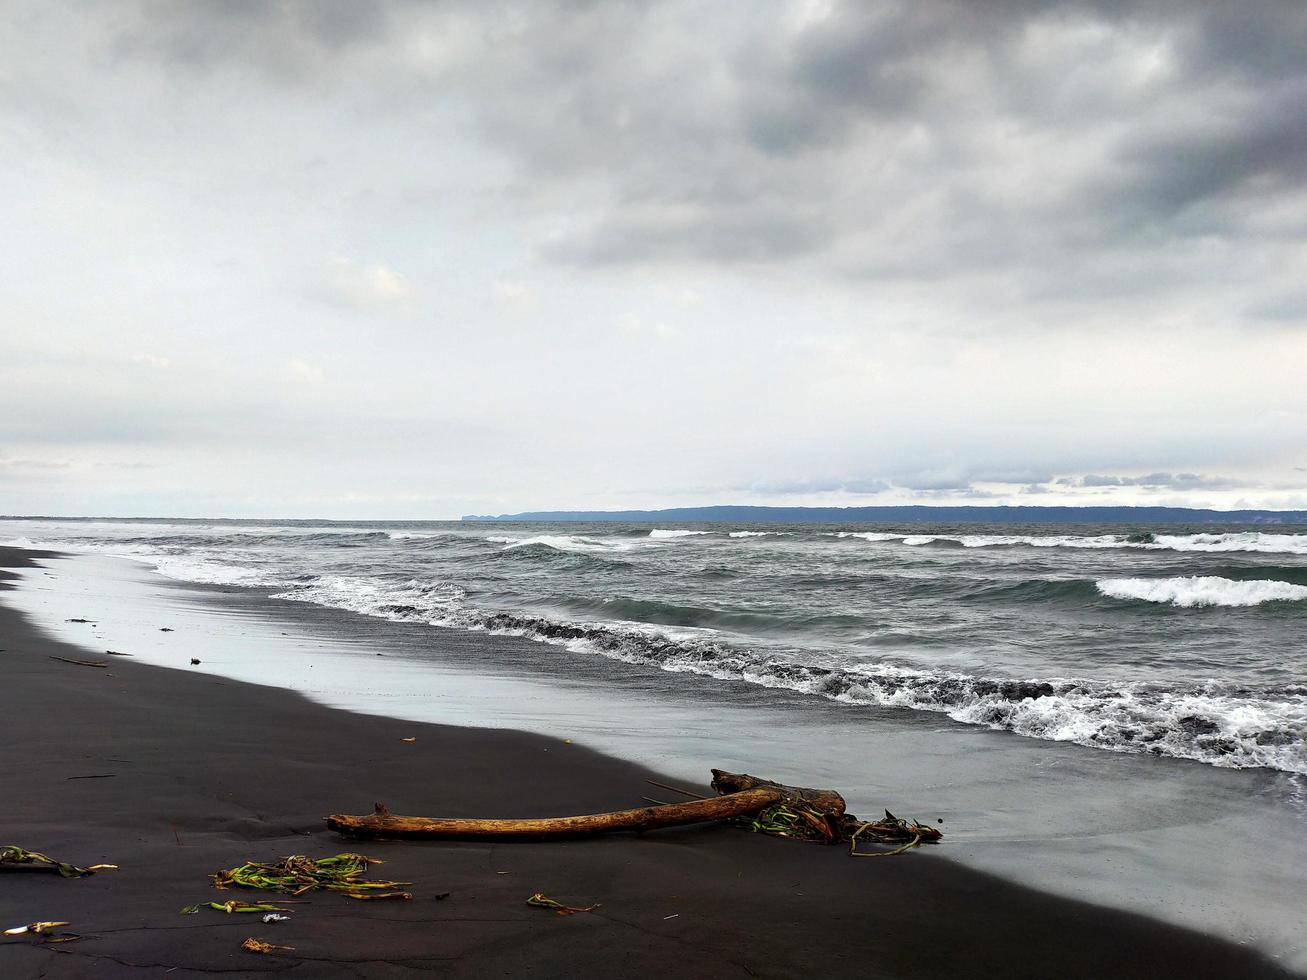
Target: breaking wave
809,614
179,564
1258,542
1202,590
1223,725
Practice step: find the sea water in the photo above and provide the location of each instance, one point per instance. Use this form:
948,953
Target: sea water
1177,642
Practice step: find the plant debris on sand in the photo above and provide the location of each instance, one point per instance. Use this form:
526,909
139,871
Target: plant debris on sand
296,874
12,856
235,905
819,816
259,946
796,821
543,901
36,928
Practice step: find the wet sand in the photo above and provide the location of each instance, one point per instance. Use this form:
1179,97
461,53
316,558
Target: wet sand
194,772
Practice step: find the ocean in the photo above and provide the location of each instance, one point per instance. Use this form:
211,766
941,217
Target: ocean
1176,642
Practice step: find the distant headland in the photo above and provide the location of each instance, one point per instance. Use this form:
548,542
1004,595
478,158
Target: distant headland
916,513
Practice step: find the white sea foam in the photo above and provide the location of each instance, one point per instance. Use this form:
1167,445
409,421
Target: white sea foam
1235,729
1219,728
755,534
1202,590
1243,541
660,533
437,603
22,542
1230,728
1226,727
193,566
1257,541
1041,541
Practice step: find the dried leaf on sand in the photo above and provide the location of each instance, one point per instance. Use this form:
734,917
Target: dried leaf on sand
259,946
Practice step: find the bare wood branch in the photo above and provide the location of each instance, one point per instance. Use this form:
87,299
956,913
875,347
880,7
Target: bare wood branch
383,823
823,800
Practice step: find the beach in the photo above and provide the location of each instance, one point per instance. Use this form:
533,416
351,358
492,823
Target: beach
183,774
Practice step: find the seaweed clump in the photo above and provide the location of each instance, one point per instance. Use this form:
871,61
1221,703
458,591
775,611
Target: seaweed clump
296,874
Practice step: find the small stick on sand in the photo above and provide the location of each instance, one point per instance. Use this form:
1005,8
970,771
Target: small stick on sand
81,663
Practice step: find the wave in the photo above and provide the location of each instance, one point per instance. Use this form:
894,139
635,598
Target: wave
1218,724
660,533
1233,728
199,567
246,538
1242,541
563,542
1221,725
1202,590
24,542
757,534
435,603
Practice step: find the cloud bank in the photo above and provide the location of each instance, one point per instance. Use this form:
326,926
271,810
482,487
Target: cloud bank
420,259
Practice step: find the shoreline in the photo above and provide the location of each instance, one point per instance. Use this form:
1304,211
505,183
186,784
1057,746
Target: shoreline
209,772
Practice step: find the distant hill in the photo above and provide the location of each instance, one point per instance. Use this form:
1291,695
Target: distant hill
917,513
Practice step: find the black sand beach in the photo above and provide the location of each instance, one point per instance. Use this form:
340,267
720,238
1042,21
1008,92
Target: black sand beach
194,773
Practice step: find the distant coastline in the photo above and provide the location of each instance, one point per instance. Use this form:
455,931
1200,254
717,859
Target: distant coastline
916,513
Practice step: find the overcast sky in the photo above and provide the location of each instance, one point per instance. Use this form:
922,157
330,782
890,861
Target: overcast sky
352,259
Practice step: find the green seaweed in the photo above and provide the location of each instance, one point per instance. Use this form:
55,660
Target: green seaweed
296,874
794,821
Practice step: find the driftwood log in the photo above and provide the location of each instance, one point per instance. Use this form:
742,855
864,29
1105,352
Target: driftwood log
759,805
824,801
385,824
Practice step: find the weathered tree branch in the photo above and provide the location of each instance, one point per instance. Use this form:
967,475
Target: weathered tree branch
383,823
825,801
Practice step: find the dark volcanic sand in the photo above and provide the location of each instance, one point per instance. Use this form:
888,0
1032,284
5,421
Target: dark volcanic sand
208,773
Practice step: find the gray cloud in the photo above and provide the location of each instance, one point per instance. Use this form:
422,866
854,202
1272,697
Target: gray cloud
1168,481
286,39
519,255
1037,141
963,478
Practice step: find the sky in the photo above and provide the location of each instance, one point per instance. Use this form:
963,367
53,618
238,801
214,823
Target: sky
415,260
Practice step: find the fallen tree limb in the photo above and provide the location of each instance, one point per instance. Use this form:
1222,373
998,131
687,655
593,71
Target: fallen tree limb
825,801
383,823
759,805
